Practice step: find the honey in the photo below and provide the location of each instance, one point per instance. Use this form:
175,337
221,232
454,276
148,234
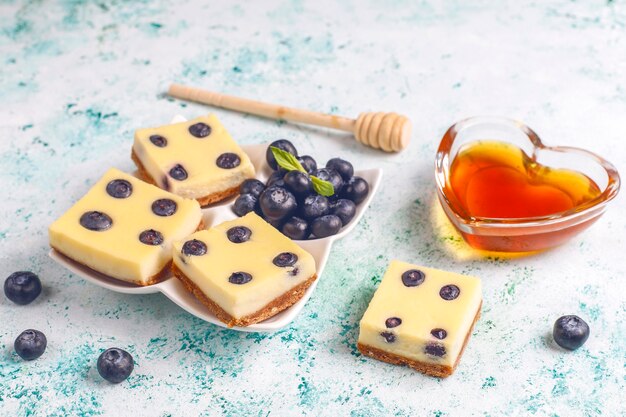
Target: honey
498,180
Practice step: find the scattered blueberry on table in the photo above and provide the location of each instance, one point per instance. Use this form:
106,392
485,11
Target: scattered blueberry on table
115,365
300,199
22,287
30,344
570,332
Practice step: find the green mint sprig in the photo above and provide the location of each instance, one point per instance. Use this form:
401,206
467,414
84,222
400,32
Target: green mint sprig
289,162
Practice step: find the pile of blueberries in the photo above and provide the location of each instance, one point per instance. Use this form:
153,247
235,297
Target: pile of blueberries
289,202
23,287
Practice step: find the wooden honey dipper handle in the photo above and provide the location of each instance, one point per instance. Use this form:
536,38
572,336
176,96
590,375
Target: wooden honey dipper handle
390,132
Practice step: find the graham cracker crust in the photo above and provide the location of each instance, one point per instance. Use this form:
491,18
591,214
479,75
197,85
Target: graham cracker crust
204,201
274,307
441,371
154,279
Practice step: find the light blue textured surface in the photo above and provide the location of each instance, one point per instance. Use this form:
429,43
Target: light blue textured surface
77,77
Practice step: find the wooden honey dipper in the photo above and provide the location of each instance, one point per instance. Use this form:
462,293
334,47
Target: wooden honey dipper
390,132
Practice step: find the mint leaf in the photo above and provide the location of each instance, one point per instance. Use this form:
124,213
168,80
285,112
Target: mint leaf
322,187
289,162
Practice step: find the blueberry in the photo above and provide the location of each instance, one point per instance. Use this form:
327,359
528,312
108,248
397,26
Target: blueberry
413,278
449,292
200,130
388,336
194,247
315,206
277,178
326,225
158,140
343,167
115,365
439,333
244,204
435,349
356,189
344,209
392,322
298,183
283,144
308,163
178,172
277,203
239,278
239,234
30,344
22,287
119,188
164,207
285,259
296,228
252,186
570,332
151,237
332,177
228,160
96,221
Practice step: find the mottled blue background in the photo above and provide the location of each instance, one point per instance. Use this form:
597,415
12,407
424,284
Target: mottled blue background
76,79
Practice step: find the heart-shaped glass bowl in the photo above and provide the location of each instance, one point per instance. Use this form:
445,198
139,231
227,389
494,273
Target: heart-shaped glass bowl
529,233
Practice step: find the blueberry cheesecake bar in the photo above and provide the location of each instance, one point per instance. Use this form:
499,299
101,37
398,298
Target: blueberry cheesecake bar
421,317
244,271
194,159
124,228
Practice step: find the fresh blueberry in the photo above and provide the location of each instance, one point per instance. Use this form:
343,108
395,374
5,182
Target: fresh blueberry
449,292
239,234
343,167
435,349
164,207
277,203
413,278
296,228
178,172
275,223
158,140
252,186
283,144
151,237
239,278
115,365
285,259
298,182
344,209
315,206
194,247
308,163
570,332
228,160
119,188
439,333
96,221
244,204
356,189
325,226
392,322
277,178
22,287
200,130
30,344
332,177
388,336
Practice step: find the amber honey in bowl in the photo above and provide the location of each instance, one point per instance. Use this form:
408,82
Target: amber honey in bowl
493,179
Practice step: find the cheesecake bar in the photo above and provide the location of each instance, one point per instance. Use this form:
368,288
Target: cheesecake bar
420,317
244,271
124,228
194,159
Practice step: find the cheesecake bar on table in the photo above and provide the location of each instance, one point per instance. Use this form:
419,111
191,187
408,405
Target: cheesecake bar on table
244,271
421,317
194,159
124,228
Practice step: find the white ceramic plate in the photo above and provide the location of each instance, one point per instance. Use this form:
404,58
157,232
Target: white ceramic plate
213,215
